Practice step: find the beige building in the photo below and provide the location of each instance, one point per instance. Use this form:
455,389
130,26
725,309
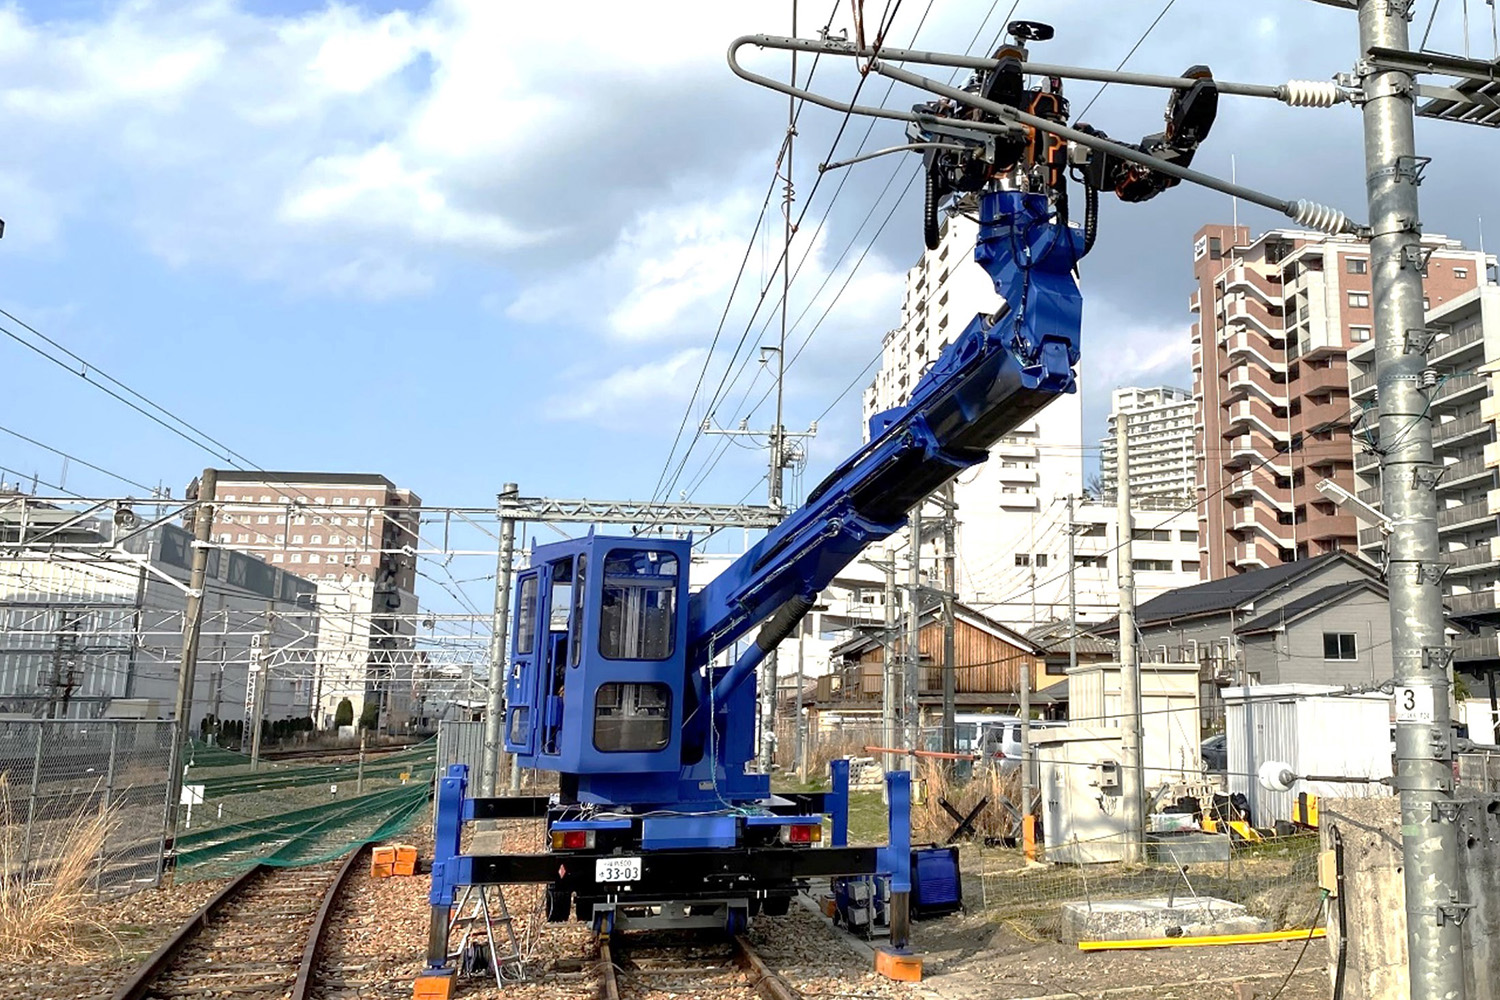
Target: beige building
1277,317
354,535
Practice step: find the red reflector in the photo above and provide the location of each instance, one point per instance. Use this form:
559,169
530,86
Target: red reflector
573,840
799,835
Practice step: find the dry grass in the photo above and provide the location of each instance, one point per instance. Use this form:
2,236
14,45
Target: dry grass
47,907
930,821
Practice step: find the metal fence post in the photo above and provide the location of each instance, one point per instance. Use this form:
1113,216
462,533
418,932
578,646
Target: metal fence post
109,795
36,780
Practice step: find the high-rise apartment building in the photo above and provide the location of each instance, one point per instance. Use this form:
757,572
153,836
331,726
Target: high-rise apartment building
1464,351
1277,316
1159,435
355,536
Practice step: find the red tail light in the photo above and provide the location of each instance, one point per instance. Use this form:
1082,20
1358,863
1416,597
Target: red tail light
572,840
808,833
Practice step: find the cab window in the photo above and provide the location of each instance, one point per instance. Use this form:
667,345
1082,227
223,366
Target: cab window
638,606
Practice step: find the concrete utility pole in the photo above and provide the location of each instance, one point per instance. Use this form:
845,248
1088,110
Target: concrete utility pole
950,662
888,639
1132,783
260,671
1424,751
494,712
1072,588
801,739
912,675
192,627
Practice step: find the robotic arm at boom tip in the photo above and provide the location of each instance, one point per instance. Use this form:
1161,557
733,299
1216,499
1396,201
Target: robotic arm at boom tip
1027,158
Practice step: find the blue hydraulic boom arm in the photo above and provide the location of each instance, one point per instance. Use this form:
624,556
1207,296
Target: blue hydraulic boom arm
995,375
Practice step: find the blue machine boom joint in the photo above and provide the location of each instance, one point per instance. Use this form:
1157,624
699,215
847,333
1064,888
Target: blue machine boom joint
641,695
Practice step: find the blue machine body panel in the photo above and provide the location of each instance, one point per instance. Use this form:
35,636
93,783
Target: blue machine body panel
661,833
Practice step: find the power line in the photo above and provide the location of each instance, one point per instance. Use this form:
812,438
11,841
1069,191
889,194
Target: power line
87,367
74,458
1138,43
783,260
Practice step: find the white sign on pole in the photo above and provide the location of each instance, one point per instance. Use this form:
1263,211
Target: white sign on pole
192,795
1414,704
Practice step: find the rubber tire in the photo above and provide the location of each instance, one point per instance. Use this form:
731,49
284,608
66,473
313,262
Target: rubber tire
776,906
559,905
583,909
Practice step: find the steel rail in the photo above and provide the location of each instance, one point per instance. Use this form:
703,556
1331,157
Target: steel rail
302,986
145,974
769,981
762,980
610,983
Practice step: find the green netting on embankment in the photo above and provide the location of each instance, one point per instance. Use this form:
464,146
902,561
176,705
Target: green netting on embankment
295,813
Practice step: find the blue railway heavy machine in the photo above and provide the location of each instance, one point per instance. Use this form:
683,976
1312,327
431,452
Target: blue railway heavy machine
641,695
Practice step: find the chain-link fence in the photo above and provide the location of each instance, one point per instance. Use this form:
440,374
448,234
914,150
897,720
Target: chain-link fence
1274,880
59,774
297,811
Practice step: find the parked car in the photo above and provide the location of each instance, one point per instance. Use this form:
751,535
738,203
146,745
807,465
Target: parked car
1001,744
1215,754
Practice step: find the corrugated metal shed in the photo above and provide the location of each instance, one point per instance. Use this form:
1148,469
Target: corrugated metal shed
1313,728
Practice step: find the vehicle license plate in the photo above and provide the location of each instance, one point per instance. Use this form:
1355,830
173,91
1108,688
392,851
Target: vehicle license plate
617,870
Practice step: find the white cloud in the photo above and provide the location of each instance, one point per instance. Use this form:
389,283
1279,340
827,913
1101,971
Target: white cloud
633,395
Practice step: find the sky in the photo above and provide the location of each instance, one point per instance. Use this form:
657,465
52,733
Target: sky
465,242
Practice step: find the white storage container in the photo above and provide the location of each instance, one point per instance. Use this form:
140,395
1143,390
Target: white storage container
1314,730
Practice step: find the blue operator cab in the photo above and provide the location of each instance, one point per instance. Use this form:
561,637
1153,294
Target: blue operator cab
599,687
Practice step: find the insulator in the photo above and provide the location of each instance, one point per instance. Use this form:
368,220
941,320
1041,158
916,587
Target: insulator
1429,378
1311,93
1320,217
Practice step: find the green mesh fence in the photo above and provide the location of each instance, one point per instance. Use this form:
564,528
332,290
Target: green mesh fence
296,812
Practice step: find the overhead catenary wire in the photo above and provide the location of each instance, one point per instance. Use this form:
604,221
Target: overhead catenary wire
83,462
784,260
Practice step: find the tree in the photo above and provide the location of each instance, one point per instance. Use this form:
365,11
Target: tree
369,716
344,714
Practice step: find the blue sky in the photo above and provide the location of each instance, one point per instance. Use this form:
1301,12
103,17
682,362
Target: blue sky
464,242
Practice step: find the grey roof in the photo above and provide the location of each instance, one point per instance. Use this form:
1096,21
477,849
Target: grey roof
1306,604
961,612
1053,638
1235,591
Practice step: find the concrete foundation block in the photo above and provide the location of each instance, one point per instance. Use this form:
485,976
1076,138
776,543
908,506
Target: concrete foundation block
1138,919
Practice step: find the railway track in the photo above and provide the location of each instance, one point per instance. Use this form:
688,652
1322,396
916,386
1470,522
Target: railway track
640,966
259,937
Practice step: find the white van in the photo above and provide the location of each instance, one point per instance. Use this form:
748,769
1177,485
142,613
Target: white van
1001,743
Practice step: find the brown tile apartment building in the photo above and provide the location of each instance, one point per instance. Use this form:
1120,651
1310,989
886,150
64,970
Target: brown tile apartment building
345,532
1276,317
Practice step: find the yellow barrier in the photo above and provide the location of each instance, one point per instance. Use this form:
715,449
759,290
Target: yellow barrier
1202,942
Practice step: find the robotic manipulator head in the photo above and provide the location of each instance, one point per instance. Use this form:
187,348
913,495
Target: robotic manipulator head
1029,158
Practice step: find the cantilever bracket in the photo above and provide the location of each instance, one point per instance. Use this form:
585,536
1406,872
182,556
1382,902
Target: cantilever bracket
1436,657
1418,340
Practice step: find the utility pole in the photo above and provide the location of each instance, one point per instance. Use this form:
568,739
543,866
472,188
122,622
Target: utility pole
1072,589
260,678
950,525
912,675
191,628
801,739
1424,751
888,640
494,711
1132,783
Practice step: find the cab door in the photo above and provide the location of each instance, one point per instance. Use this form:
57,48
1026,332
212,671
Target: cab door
521,682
